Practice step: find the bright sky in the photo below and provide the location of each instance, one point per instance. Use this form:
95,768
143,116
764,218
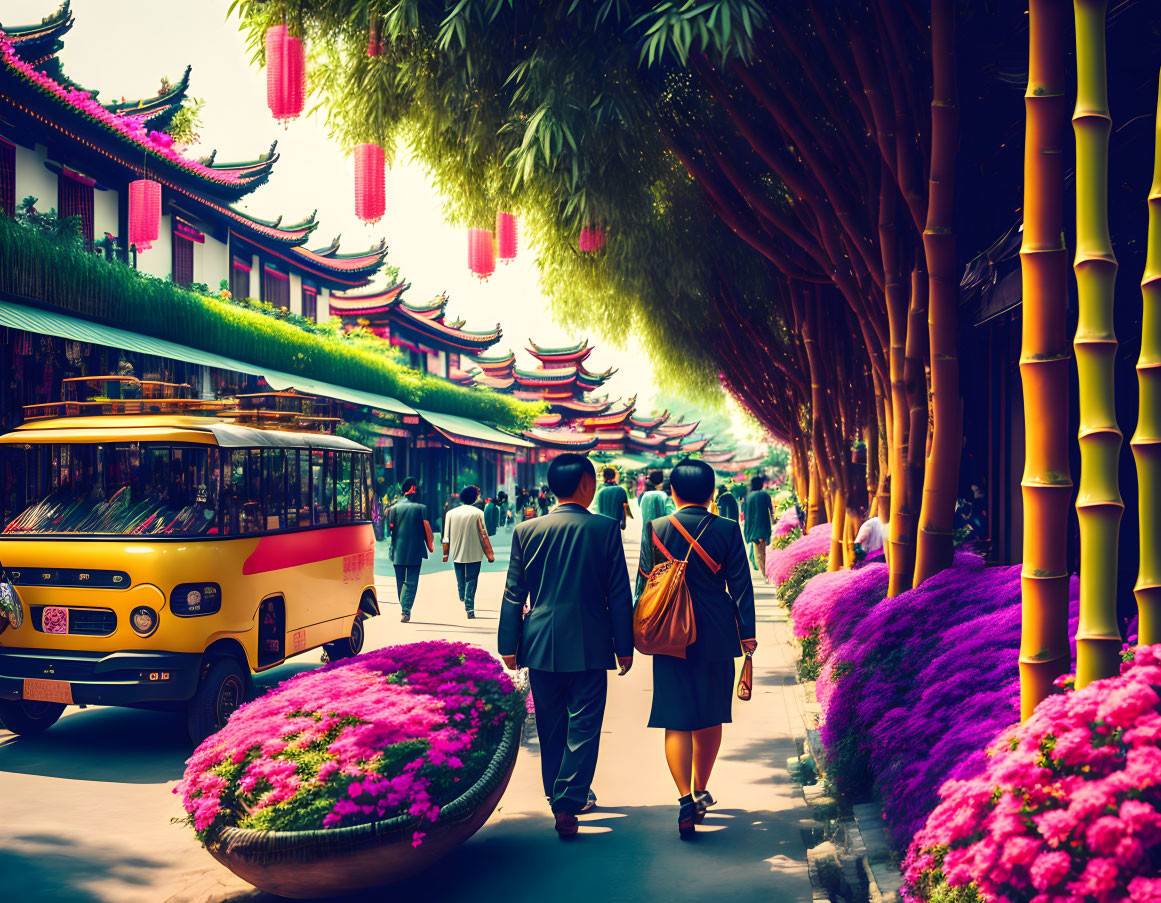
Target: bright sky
123,47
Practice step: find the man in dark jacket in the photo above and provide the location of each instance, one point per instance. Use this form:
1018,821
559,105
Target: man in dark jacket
411,541
570,567
759,525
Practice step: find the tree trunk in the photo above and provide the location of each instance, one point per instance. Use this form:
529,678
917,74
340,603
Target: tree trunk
1098,504
1146,442
1044,363
941,478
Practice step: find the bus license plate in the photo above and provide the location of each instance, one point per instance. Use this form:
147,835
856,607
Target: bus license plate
40,690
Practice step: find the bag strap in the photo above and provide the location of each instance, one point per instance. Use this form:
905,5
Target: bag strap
693,543
660,545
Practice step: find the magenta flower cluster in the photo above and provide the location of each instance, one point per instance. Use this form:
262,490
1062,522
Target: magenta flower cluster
787,522
781,562
387,733
124,124
1067,807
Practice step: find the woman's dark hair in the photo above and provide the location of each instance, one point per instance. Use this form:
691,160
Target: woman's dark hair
565,474
469,494
693,481
409,484
757,482
656,477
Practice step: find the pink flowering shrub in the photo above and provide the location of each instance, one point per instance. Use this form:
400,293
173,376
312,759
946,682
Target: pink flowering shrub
125,124
402,730
1067,807
787,522
780,563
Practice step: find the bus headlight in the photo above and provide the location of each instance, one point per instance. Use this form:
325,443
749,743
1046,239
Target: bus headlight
190,600
143,620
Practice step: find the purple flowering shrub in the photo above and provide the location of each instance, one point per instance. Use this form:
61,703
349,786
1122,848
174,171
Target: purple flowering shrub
1066,807
780,563
402,730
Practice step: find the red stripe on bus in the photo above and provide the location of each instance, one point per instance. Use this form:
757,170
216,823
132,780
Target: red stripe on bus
274,553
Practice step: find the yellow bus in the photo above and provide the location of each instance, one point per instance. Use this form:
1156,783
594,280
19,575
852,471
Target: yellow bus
160,559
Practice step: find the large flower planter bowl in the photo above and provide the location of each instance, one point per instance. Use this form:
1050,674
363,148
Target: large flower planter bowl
328,862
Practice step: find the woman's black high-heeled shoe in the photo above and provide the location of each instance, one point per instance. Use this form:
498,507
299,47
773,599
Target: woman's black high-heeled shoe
686,817
703,800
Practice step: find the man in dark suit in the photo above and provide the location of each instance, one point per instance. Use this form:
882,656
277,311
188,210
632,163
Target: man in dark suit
411,541
570,566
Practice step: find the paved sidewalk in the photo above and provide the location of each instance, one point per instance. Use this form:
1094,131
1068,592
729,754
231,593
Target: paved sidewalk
85,810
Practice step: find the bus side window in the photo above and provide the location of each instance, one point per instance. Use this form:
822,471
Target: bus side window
304,505
274,487
320,481
233,491
360,468
342,487
292,498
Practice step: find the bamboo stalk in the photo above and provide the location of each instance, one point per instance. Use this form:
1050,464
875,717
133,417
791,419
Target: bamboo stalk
1046,486
815,509
1098,503
915,376
1146,441
941,479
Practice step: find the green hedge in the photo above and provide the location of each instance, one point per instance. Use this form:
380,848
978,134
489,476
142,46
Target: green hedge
789,591
56,271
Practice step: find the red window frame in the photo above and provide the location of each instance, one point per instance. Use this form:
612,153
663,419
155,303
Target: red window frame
183,260
310,302
7,178
75,198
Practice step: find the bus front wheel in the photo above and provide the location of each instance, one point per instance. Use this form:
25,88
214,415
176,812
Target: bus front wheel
221,691
29,717
349,647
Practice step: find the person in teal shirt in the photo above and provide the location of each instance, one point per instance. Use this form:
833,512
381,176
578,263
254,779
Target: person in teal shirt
727,504
653,502
491,517
759,521
611,499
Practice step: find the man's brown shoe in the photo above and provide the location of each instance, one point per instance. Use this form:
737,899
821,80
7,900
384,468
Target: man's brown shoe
567,825
405,618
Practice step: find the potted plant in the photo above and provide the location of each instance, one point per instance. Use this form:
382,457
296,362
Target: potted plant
359,773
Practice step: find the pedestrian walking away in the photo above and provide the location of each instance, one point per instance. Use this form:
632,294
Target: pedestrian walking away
652,502
612,501
465,540
759,524
411,541
570,568
727,504
544,501
491,516
693,696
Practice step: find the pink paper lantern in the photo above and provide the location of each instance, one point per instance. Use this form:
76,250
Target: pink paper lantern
285,74
505,237
370,183
592,238
481,253
144,213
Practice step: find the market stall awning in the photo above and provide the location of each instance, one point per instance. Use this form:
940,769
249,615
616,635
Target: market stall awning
463,431
47,322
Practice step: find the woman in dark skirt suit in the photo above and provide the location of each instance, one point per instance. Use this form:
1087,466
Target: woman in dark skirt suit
692,697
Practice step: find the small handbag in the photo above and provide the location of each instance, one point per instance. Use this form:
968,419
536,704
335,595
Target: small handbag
746,679
663,622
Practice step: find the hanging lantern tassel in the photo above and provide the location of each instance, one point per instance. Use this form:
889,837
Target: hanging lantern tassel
285,74
370,183
592,238
144,213
506,236
481,253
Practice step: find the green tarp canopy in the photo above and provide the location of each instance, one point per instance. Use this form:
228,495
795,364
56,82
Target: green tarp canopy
468,432
46,322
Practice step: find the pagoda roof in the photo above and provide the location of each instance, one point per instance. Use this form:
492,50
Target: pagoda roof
50,106
611,418
719,457
38,43
329,250
424,321
695,446
571,354
155,112
362,265
499,383
548,420
499,366
678,430
736,466
566,439
649,424
577,407
641,440
562,376
525,395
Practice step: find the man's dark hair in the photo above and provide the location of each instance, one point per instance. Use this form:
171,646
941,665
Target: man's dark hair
609,474
409,484
757,482
693,481
656,477
722,490
565,474
469,494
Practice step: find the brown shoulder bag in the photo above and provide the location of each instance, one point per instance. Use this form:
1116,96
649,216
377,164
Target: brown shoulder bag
663,622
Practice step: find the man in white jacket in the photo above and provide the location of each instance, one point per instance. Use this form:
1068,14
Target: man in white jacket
465,539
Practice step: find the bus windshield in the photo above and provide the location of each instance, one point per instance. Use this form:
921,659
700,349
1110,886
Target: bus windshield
125,489
157,489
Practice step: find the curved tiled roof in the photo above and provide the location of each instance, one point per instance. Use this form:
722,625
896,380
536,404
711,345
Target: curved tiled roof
370,303
678,430
561,439
649,424
564,376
